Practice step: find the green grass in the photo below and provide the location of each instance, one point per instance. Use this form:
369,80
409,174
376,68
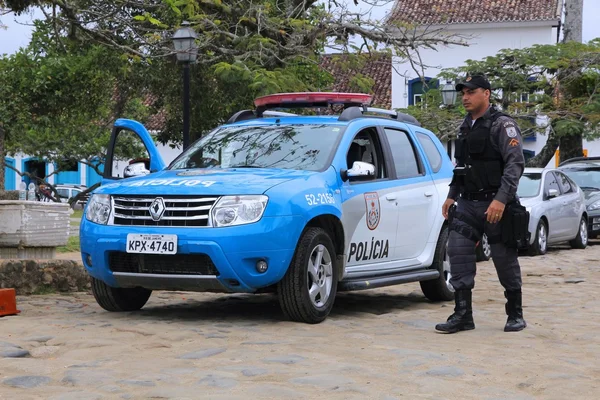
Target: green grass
77,214
44,289
72,245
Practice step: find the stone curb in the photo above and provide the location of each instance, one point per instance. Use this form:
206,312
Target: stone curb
42,276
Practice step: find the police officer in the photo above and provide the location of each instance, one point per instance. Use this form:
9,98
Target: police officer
490,161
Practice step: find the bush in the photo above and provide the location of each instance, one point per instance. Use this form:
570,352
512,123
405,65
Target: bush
9,195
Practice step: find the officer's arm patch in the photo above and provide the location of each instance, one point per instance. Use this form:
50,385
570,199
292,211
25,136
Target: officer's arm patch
511,132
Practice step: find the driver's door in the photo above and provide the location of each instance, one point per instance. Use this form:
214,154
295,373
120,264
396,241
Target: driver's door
131,152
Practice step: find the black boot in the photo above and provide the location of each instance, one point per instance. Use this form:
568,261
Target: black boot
462,319
514,310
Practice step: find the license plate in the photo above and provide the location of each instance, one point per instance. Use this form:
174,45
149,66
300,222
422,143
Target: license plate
151,244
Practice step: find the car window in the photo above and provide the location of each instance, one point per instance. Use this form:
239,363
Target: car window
63,193
564,183
403,153
431,151
529,185
585,178
366,147
550,183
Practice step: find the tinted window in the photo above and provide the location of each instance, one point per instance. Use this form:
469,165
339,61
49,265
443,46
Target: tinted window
564,183
403,152
586,178
432,152
529,185
550,183
303,147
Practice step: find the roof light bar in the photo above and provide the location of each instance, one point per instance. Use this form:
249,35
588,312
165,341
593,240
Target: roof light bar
312,99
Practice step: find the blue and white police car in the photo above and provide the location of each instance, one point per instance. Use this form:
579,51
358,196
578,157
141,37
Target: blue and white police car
304,206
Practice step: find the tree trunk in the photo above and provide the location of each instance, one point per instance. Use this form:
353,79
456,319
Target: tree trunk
570,146
545,155
573,21
2,155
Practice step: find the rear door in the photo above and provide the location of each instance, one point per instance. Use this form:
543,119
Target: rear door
131,151
416,195
571,204
553,207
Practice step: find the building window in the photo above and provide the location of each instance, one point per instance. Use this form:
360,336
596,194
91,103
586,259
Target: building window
417,87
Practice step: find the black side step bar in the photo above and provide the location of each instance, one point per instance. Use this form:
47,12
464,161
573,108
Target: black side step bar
387,280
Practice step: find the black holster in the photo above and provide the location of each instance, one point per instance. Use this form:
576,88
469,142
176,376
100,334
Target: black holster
515,226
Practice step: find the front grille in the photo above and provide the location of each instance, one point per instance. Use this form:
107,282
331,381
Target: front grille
175,264
179,211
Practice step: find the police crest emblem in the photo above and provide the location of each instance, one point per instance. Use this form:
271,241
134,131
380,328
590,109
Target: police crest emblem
373,210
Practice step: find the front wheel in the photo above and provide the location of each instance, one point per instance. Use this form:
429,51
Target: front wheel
119,299
540,243
307,291
440,289
581,240
484,249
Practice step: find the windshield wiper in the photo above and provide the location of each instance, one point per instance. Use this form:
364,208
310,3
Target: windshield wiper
245,166
589,188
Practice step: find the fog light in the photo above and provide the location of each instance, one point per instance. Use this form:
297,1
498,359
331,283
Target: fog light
261,266
595,227
88,260
596,220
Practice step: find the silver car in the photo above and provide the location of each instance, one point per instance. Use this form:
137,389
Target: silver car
557,208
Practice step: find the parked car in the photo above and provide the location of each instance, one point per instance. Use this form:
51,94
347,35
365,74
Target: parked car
301,205
586,173
557,209
66,191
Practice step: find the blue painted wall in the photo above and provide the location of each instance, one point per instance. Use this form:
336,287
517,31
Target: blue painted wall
10,176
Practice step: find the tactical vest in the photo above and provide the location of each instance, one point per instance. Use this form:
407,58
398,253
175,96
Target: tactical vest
474,150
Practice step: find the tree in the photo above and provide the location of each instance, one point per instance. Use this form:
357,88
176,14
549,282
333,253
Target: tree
560,83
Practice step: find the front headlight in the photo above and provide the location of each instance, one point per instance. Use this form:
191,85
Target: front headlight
238,210
594,206
98,209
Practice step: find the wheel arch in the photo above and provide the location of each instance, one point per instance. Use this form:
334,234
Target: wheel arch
334,228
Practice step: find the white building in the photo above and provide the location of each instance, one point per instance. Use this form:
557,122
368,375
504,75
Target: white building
489,26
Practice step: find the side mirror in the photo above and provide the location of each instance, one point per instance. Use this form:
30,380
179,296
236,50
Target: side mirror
552,193
360,171
135,169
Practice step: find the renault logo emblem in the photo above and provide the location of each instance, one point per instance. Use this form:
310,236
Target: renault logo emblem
157,208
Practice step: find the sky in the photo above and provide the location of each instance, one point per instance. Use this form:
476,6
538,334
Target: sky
18,30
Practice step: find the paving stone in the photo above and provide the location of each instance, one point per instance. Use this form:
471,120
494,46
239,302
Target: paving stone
13,352
574,280
330,382
202,354
445,371
82,377
266,391
27,382
43,351
291,359
218,381
6,344
137,383
254,372
77,396
39,339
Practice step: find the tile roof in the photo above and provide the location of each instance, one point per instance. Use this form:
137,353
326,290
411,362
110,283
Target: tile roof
434,12
377,66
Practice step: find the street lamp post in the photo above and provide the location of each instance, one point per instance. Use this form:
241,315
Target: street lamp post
187,52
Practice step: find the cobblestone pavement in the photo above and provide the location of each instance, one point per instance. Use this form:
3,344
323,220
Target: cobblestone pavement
377,344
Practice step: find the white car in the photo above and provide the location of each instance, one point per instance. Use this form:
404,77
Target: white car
557,209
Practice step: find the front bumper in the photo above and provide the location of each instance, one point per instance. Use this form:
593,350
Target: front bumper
234,252
594,223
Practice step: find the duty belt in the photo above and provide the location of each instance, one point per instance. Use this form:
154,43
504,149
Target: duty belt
478,196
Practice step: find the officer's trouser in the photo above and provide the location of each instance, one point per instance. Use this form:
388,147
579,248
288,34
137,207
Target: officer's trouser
470,215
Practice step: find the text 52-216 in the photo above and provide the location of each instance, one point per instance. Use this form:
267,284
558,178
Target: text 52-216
319,198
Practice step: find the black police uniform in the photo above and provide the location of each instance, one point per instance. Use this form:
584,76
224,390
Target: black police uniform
490,162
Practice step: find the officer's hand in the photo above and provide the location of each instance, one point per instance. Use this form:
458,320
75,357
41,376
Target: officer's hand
494,212
446,206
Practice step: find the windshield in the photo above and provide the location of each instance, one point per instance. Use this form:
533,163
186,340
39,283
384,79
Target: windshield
587,179
529,185
303,147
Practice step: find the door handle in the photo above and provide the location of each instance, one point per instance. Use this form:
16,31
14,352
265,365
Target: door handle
390,197
428,194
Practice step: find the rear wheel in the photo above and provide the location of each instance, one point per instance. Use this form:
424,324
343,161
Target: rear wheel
308,289
119,299
581,240
440,289
540,243
484,250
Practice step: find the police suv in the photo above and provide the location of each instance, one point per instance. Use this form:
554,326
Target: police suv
304,206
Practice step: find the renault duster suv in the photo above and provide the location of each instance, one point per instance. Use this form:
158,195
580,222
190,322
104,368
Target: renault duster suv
301,205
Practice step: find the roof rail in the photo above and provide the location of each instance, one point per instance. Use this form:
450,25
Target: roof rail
357,112
245,115
575,159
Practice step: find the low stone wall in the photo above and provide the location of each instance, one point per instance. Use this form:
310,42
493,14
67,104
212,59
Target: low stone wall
43,276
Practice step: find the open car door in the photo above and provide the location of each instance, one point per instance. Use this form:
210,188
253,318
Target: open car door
131,152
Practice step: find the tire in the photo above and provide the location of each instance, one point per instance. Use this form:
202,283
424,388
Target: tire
295,299
119,299
581,240
440,289
483,251
540,243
